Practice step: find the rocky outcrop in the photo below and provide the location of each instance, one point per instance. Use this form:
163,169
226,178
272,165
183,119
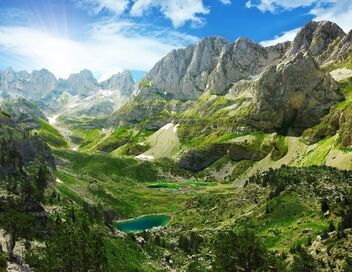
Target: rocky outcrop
294,94
25,113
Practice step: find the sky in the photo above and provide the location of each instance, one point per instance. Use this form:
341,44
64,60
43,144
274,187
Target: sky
108,36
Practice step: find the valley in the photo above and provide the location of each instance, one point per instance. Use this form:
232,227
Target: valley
225,157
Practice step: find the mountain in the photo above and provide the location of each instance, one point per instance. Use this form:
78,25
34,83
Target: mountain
42,86
35,85
122,81
213,64
82,84
259,109
251,73
95,109
79,96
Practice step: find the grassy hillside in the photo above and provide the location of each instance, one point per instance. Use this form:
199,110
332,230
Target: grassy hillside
50,135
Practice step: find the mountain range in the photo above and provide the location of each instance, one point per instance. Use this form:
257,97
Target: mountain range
245,149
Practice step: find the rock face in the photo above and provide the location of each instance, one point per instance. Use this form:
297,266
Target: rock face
241,60
23,112
342,49
213,64
293,94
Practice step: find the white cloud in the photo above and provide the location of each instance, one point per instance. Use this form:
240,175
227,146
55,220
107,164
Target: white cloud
340,13
109,47
337,11
178,11
287,36
278,5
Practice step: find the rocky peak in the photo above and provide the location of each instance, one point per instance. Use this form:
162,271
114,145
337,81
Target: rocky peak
183,73
35,85
83,84
122,82
85,75
316,37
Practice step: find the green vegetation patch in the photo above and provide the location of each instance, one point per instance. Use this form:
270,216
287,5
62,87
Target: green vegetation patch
102,166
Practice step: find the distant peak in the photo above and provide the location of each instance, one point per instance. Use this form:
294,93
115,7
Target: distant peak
86,72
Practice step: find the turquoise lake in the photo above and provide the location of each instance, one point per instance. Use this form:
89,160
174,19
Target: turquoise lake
143,223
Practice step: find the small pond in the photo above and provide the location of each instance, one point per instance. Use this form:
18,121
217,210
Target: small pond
143,223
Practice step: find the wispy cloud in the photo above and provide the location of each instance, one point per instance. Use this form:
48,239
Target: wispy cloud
226,2
97,6
178,11
340,12
281,5
110,46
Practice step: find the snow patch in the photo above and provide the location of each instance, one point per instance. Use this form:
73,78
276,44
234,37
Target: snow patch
52,119
254,77
175,128
341,74
145,157
58,180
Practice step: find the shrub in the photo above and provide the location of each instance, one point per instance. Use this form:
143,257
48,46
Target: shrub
243,251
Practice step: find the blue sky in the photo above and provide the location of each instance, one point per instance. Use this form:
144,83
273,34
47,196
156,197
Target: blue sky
107,36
